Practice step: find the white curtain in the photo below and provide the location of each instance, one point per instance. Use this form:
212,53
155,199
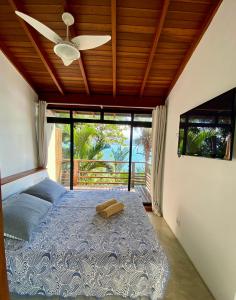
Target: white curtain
42,134
158,143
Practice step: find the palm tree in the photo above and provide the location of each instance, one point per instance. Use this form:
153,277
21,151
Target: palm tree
90,141
119,154
145,139
88,145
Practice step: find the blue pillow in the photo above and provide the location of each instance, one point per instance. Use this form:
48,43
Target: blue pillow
21,215
47,189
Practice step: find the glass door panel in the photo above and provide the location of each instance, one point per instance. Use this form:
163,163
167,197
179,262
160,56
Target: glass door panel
141,162
101,156
59,154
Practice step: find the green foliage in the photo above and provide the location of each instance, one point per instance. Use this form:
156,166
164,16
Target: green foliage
198,141
120,154
181,141
145,139
90,140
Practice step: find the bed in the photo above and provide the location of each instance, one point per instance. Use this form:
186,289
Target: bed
74,253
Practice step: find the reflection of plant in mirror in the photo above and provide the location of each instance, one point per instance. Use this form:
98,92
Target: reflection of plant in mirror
181,141
221,135
209,142
200,141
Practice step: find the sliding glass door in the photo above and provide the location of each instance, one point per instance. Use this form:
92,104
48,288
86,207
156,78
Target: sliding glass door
101,150
141,162
59,163
101,155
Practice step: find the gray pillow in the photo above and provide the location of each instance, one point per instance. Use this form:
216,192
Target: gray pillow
22,213
47,189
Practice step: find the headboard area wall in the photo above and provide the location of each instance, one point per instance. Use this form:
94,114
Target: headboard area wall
20,182
18,118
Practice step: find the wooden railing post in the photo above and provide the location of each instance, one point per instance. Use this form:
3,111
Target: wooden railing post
99,177
58,154
4,291
146,170
148,177
132,174
76,170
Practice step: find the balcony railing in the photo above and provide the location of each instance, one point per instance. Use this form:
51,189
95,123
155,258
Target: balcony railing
100,173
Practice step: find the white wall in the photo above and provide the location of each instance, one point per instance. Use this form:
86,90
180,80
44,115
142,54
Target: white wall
20,185
18,151
201,192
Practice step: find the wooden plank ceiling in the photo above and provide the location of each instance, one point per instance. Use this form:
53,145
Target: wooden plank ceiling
151,43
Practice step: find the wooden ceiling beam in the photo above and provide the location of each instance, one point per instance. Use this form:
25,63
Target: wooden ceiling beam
80,61
16,64
82,69
35,43
113,22
157,35
102,100
195,43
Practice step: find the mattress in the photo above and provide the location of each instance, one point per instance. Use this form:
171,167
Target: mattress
75,252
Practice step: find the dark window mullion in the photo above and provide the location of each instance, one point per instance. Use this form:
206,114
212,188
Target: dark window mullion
71,152
130,151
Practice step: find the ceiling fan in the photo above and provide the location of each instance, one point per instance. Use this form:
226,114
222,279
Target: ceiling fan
67,49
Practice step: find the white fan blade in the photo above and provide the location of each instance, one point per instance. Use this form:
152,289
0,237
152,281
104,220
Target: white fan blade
84,42
40,27
67,62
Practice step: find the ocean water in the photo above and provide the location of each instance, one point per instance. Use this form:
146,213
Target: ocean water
137,149
137,153
137,156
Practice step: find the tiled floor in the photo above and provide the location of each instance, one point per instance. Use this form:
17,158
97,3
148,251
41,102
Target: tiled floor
185,283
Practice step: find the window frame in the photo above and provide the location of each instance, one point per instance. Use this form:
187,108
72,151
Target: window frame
72,121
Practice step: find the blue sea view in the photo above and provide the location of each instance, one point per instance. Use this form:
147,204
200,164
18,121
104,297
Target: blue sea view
137,150
137,153
137,156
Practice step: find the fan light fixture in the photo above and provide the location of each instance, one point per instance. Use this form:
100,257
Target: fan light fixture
67,49
67,52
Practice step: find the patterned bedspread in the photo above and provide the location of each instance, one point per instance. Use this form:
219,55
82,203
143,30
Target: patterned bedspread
75,251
